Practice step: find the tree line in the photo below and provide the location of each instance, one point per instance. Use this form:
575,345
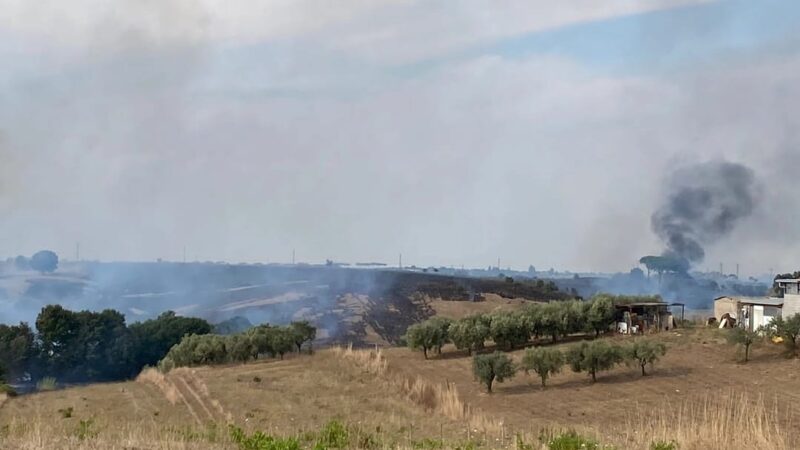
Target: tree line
587,357
88,346
513,329
83,346
209,349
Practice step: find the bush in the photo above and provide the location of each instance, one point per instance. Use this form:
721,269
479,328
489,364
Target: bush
196,350
85,430
47,384
643,352
663,445
787,328
261,441
333,435
571,440
7,390
66,413
593,357
494,367
544,361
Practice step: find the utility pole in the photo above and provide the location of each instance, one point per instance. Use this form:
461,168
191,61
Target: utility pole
737,271
400,261
720,269
293,263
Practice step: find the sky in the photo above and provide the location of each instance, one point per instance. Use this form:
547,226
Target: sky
455,133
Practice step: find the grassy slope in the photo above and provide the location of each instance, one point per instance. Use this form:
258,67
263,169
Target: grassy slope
695,392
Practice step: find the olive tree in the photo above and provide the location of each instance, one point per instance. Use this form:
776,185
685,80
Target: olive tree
469,333
426,336
742,337
441,325
508,330
642,352
593,357
240,347
302,332
492,367
544,361
600,314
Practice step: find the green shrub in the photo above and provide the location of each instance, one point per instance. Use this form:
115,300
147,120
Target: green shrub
261,441
66,413
571,440
333,435
47,384
664,445
7,390
85,430
428,444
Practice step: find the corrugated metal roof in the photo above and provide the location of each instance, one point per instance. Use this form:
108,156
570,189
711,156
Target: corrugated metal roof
788,280
764,301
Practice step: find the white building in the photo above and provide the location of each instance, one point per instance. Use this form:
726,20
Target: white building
754,312
791,296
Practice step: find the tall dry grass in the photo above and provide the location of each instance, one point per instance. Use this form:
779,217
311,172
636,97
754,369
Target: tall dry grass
157,378
728,420
442,399
39,433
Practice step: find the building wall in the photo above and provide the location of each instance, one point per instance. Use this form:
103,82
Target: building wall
726,305
791,305
792,289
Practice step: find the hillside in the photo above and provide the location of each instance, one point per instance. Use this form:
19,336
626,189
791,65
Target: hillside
695,394
347,305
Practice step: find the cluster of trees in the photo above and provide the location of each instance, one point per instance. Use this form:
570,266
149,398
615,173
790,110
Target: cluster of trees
588,357
786,328
208,349
44,261
508,330
89,346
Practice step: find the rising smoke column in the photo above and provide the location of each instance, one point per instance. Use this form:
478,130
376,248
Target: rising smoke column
704,203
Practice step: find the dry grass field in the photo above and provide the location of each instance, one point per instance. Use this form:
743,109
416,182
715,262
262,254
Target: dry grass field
698,395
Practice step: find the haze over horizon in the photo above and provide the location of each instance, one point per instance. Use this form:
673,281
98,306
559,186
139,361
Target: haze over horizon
451,132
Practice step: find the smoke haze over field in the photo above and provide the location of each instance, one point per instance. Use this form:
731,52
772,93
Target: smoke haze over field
455,134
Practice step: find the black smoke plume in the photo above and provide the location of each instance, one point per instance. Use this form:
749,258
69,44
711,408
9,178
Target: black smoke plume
704,203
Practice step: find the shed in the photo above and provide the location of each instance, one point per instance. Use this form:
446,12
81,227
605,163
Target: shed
752,312
726,305
645,317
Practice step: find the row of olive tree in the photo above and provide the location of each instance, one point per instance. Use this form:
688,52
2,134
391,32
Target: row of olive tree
210,349
589,357
512,329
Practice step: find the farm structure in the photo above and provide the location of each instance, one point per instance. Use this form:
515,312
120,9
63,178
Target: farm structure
748,312
646,317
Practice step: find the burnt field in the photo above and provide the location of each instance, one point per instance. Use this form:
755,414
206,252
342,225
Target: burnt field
347,304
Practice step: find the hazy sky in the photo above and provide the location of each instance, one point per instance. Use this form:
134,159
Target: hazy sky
539,132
